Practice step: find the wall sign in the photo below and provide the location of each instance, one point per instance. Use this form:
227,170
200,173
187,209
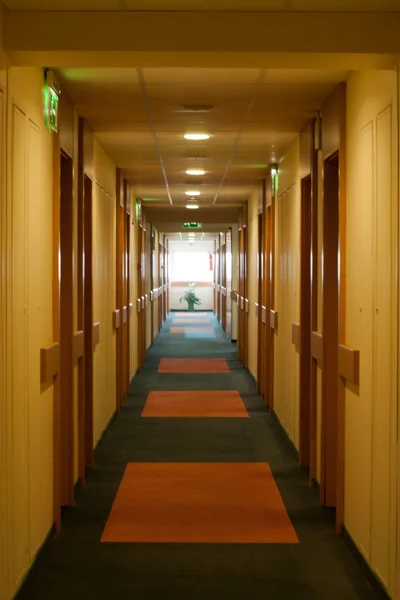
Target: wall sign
51,93
192,226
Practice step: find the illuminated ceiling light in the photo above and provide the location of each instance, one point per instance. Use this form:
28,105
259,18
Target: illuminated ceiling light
193,193
196,136
196,107
195,172
192,206
273,171
196,158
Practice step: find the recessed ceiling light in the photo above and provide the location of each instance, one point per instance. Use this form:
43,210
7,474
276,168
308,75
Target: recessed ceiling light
192,206
196,158
196,136
195,172
193,193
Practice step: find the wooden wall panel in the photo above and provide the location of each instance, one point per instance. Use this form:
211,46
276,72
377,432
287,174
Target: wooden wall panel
66,121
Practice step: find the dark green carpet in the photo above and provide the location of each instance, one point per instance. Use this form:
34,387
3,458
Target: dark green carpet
76,566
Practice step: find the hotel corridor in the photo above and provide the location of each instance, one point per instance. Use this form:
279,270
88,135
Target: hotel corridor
181,502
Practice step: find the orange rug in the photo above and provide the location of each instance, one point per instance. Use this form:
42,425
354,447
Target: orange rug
232,503
191,330
194,404
193,365
191,321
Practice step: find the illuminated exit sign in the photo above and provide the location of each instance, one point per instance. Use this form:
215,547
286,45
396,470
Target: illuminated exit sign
50,108
192,226
51,93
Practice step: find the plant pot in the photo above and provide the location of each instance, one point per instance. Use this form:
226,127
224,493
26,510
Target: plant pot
190,306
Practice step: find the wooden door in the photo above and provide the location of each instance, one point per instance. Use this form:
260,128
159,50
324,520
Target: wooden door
88,318
223,283
141,287
269,252
305,322
228,269
330,333
66,333
261,344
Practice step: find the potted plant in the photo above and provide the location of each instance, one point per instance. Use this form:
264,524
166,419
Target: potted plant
190,297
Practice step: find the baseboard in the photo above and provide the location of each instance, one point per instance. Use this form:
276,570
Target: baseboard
20,584
373,579
284,435
251,375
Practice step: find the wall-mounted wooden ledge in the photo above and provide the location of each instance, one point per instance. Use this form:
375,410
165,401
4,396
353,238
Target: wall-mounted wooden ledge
234,295
296,334
264,314
349,364
78,345
146,299
256,309
246,304
273,319
316,346
241,302
124,314
130,309
49,362
139,305
151,296
96,334
116,316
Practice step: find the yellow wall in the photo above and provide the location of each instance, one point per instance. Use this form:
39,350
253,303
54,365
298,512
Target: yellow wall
3,349
104,257
148,286
287,285
235,279
29,323
134,285
155,282
372,178
252,270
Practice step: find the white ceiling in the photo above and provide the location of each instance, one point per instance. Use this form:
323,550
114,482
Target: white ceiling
204,5
256,115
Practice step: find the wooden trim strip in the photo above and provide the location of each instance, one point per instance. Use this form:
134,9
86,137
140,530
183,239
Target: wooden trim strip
49,362
130,309
78,345
96,334
146,299
296,335
116,316
256,306
316,346
151,296
246,303
124,314
349,364
263,314
241,302
139,305
273,319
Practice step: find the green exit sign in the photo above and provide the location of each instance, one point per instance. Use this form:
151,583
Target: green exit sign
50,98
192,226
